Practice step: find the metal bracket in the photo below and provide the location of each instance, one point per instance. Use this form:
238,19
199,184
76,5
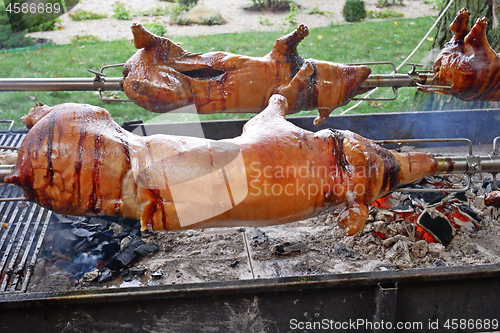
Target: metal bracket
100,79
386,301
10,122
495,146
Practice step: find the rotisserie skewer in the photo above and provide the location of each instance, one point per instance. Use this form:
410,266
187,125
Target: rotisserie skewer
77,160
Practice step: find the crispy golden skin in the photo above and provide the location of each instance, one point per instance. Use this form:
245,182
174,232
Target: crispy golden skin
162,76
77,160
468,63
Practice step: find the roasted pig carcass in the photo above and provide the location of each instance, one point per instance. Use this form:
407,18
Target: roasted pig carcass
467,63
162,76
76,160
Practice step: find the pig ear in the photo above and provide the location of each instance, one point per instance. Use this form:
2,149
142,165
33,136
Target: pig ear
352,218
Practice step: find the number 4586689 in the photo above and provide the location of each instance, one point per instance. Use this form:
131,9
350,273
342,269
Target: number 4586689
33,8
472,324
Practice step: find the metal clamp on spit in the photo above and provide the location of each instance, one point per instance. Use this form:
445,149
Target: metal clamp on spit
397,80
100,83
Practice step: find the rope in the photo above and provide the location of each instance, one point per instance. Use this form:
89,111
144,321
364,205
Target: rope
408,57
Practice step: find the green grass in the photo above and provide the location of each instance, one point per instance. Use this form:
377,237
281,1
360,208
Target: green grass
156,28
85,39
121,12
384,14
83,15
350,43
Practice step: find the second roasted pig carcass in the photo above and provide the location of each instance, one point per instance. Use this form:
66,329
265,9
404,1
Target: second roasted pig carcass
76,160
162,77
468,63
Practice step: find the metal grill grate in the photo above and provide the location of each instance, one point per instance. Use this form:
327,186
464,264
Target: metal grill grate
22,230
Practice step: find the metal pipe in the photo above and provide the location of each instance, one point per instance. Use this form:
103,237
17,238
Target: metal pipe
468,164
60,84
396,80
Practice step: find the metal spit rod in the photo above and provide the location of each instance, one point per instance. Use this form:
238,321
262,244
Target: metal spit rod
60,84
100,82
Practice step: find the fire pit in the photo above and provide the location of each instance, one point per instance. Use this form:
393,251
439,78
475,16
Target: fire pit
245,279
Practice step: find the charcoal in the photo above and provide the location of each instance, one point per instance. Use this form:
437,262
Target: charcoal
427,198
66,219
287,248
123,257
102,236
437,225
114,264
258,236
83,233
486,182
122,235
137,271
107,249
341,250
64,241
136,242
101,224
235,263
127,278
470,212
461,196
146,232
91,225
125,272
129,224
440,263
146,249
106,275
158,274
83,246
135,232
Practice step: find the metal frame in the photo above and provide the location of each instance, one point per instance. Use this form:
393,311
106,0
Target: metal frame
414,295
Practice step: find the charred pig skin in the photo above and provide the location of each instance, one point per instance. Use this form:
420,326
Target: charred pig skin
468,63
76,160
161,76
